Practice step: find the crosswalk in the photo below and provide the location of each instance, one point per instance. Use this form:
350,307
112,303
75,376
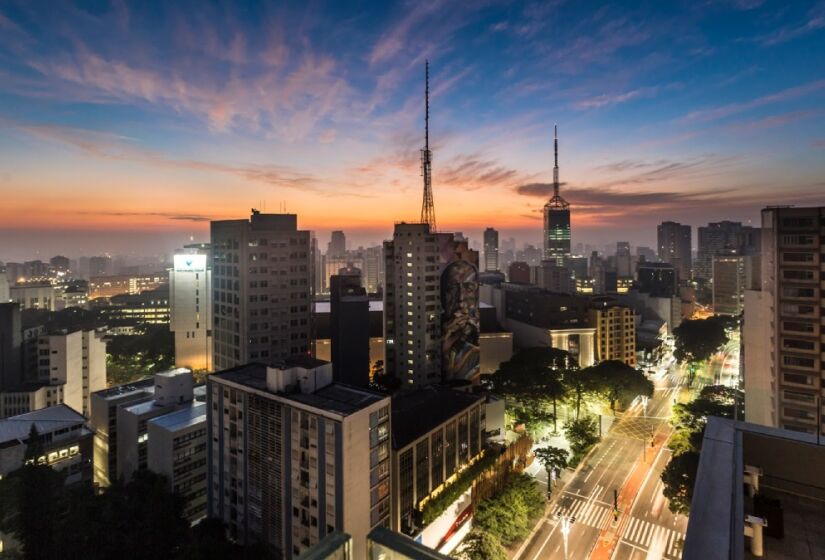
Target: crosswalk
586,513
648,535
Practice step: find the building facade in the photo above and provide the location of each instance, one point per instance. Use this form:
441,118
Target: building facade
65,440
177,450
782,333
261,290
437,433
190,307
674,243
349,330
295,457
615,331
490,249
75,360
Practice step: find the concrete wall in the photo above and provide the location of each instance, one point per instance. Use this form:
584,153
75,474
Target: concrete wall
760,395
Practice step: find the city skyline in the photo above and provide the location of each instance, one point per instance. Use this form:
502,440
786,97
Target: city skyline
154,123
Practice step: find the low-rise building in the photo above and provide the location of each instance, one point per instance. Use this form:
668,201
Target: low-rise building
65,441
110,286
34,295
103,422
173,390
436,433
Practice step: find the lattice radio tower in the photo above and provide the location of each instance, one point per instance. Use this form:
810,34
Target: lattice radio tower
427,206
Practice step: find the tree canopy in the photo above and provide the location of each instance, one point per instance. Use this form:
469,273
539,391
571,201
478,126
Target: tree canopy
582,435
533,381
141,519
698,339
618,382
481,545
689,421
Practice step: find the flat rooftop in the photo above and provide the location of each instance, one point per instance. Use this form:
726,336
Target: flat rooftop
421,411
142,385
182,419
793,474
335,397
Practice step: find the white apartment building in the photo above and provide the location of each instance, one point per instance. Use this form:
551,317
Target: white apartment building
75,360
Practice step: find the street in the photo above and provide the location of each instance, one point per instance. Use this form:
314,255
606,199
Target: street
623,456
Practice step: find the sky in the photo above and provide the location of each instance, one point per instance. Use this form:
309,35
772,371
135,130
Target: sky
126,126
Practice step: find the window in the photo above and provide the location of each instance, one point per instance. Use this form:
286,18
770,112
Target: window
796,326
798,378
797,292
801,275
796,361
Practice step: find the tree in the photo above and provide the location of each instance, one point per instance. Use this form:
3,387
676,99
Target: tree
553,459
618,382
679,479
689,421
581,434
508,514
698,339
531,379
481,545
578,382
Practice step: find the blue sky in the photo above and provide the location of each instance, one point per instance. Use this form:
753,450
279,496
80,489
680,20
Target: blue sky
148,118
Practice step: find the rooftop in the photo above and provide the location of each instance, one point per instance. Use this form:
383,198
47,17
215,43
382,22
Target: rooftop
419,412
792,493
146,384
335,397
46,420
182,419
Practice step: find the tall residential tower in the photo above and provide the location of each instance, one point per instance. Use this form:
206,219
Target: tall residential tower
261,270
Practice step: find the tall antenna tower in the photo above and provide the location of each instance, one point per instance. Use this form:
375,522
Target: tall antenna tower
557,202
427,206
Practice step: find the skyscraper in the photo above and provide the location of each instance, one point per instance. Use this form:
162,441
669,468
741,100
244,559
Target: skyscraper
718,238
728,284
556,218
261,290
349,330
674,246
782,332
624,260
337,247
490,249
190,307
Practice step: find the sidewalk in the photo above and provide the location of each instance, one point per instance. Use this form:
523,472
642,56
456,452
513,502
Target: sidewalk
610,535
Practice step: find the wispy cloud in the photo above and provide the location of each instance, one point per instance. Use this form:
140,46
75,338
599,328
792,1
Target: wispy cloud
815,20
167,215
607,99
716,113
773,121
113,147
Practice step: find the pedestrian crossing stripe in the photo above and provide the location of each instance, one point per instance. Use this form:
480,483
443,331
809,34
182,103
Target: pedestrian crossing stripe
644,533
586,513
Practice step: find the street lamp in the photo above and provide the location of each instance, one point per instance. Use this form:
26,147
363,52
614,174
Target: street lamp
566,522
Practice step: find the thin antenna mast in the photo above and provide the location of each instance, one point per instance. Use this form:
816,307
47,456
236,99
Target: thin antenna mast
556,168
427,206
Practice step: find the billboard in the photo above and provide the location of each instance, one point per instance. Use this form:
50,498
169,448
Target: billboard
460,319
